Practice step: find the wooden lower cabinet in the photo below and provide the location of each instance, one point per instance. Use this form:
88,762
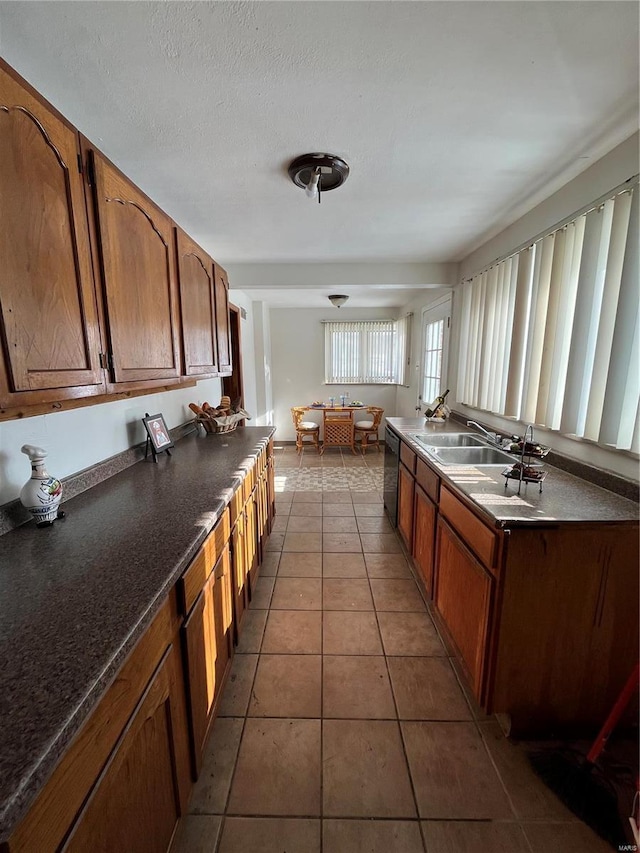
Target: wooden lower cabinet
208,645
239,571
463,592
406,486
424,530
136,802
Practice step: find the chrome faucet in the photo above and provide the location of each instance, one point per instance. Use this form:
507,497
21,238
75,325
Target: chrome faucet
491,436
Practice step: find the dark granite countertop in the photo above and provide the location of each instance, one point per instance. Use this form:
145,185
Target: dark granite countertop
564,497
75,597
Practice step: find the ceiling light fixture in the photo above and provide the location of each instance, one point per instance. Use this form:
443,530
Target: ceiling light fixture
318,173
337,299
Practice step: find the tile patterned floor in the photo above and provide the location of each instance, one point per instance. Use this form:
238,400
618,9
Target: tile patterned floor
345,726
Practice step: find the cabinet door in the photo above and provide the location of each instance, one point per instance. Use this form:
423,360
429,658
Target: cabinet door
223,327
48,316
406,487
424,535
208,643
252,538
136,802
197,305
239,570
463,590
138,265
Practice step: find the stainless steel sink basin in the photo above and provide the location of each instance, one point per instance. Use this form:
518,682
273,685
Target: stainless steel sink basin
470,455
450,439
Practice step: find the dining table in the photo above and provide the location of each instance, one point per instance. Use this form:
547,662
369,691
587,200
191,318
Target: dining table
338,425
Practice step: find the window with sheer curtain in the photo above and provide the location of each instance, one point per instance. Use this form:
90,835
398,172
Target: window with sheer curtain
365,353
551,335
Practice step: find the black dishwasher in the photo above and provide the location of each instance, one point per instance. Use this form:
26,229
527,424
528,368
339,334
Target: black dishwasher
391,463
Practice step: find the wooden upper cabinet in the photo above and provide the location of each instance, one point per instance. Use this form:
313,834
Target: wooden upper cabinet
48,317
197,304
222,320
139,278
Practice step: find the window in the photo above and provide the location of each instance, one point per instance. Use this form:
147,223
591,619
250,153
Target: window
551,335
366,352
435,345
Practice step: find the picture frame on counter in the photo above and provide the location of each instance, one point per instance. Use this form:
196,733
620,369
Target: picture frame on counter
158,438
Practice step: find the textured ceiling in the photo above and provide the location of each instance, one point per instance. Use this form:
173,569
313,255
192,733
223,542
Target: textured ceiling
452,115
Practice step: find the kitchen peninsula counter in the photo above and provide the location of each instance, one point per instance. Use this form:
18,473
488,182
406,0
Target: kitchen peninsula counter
76,597
564,497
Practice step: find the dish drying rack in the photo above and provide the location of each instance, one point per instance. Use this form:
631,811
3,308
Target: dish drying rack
535,473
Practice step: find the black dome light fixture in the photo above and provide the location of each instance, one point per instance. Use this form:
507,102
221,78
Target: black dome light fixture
318,173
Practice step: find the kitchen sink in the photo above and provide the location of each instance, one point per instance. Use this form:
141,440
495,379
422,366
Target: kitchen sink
470,455
450,439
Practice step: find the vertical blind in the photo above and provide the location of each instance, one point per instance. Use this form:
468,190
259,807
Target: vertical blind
551,335
367,352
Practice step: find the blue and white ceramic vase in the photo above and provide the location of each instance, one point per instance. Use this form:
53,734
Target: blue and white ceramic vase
41,494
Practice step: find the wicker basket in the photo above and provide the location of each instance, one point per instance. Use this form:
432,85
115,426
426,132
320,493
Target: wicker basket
213,428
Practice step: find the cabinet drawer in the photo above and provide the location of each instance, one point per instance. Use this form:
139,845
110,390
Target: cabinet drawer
476,535
428,480
191,583
408,457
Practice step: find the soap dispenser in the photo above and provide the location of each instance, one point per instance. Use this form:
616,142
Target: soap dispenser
41,494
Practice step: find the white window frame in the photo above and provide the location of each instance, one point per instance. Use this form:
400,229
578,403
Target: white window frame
439,310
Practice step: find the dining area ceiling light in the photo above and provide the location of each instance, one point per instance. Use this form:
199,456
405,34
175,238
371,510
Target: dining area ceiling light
318,173
338,299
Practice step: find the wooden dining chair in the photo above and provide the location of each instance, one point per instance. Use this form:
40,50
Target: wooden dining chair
368,429
305,429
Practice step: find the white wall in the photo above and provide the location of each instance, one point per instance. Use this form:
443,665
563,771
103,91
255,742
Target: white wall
407,397
80,438
297,363
607,173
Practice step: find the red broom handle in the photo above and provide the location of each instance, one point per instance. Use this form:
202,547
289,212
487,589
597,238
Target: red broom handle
616,712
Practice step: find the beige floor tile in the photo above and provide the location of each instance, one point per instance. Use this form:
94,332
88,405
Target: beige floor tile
209,795
427,689
409,634
474,837
392,566
302,542
287,686
452,774
566,837
374,525
302,497
531,798
339,510
347,633
237,690
270,835
297,594
380,543
293,632
261,595
478,714
397,595
197,834
252,631
301,565
369,510
275,542
304,524
371,836
283,510
279,524
337,524
305,510
341,543
365,771
367,498
343,566
351,594
356,687
270,562
336,497
278,770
